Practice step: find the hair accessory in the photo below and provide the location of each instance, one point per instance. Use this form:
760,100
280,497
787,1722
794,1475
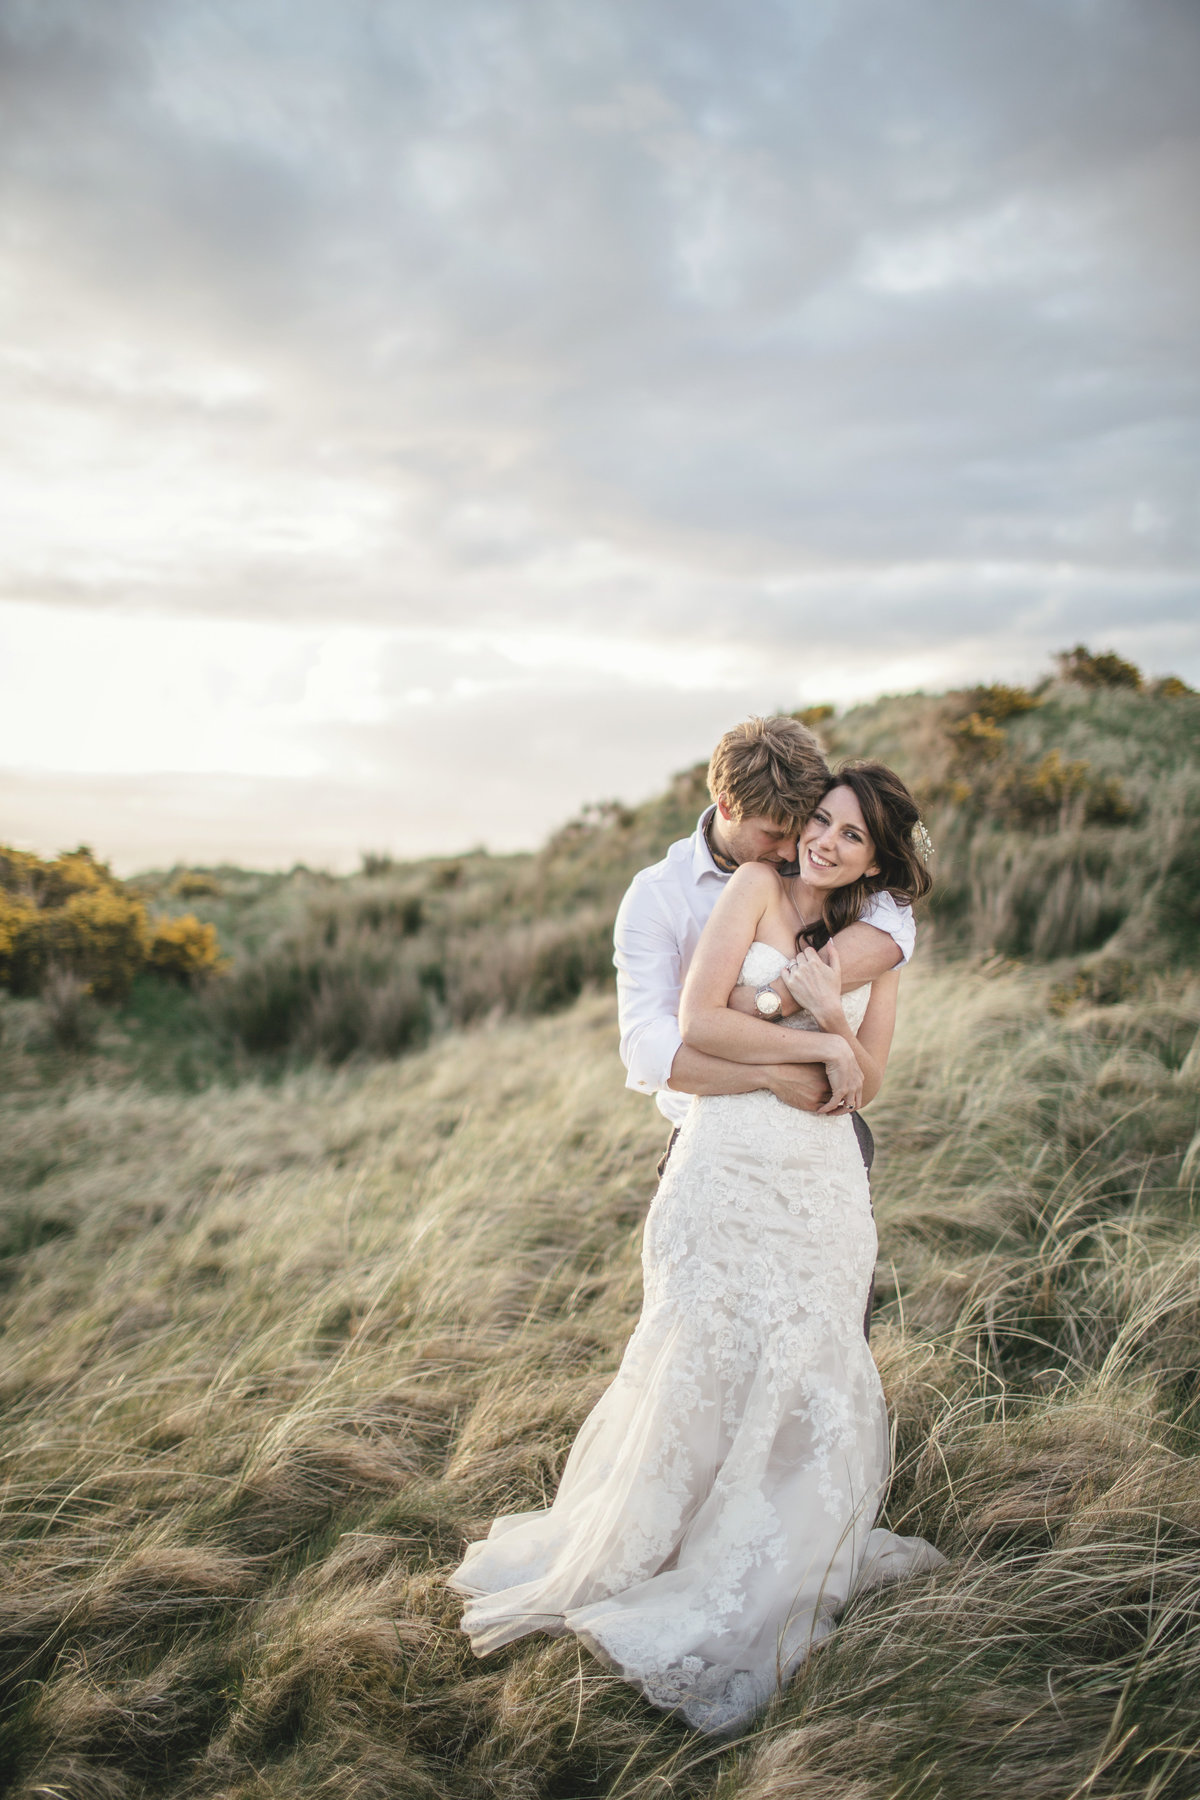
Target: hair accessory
922,840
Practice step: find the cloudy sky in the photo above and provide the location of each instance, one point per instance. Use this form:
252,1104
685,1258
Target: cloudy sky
421,420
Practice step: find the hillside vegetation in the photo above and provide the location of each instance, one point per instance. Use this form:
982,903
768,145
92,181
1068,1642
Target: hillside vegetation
285,1322
1066,820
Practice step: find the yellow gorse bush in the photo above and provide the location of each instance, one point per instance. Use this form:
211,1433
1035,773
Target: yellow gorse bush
16,916
196,884
183,948
998,701
101,936
47,884
977,738
72,913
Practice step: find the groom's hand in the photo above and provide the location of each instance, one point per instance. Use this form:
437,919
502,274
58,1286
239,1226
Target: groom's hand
802,1085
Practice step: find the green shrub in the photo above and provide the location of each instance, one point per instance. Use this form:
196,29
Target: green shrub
302,997
335,994
350,1014
562,960
335,1021
72,1018
378,906
1176,907
529,969
375,863
398,1014
264,1001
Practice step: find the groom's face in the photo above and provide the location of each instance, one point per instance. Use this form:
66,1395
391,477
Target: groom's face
756,839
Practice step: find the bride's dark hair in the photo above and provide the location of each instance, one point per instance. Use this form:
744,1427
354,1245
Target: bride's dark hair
890,814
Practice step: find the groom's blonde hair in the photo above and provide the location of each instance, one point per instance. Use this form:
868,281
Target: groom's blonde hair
769,768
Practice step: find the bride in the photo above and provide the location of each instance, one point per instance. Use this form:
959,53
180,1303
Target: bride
716,1510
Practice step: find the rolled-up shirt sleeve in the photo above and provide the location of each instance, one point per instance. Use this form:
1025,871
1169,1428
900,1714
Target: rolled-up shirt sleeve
896,918
649,978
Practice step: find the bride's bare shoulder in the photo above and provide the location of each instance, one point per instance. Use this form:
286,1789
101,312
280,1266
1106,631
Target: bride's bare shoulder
751,892
755,877
758,883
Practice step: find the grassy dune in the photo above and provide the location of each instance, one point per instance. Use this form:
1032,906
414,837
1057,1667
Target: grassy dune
1067,828
273,1350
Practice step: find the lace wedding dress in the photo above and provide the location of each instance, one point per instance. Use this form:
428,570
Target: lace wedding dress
716,1510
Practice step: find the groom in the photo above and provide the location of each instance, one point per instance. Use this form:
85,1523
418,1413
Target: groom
765,778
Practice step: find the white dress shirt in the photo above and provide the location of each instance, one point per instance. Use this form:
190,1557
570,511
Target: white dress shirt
658,927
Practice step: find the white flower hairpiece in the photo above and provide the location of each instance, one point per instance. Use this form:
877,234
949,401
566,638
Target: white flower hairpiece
922,840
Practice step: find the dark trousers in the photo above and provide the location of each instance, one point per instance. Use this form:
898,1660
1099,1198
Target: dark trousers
866,1145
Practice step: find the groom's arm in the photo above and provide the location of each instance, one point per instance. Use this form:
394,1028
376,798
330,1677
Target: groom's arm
802,1085
866,952
649,960
647,956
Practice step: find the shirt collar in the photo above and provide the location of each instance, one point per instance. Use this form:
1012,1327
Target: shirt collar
702,856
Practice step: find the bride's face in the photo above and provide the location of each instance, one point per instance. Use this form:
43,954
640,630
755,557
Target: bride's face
835,845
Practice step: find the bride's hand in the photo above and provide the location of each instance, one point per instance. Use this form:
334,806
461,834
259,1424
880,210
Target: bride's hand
845,1080
815,982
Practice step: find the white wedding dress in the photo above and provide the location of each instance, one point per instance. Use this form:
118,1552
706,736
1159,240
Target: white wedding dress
716,1510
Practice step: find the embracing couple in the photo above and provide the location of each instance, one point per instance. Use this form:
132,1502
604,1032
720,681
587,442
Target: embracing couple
717,1508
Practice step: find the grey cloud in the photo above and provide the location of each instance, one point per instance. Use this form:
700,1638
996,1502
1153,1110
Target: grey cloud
823,290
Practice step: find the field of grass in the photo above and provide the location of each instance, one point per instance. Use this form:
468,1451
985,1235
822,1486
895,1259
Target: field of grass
273,1351
307,1273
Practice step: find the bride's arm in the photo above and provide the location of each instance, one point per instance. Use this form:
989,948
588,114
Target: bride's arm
706,1020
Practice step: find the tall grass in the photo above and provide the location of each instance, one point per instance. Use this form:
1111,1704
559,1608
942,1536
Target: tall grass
302,1281
273,1352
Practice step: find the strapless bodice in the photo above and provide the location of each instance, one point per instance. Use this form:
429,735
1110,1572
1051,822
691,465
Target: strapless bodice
763,962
